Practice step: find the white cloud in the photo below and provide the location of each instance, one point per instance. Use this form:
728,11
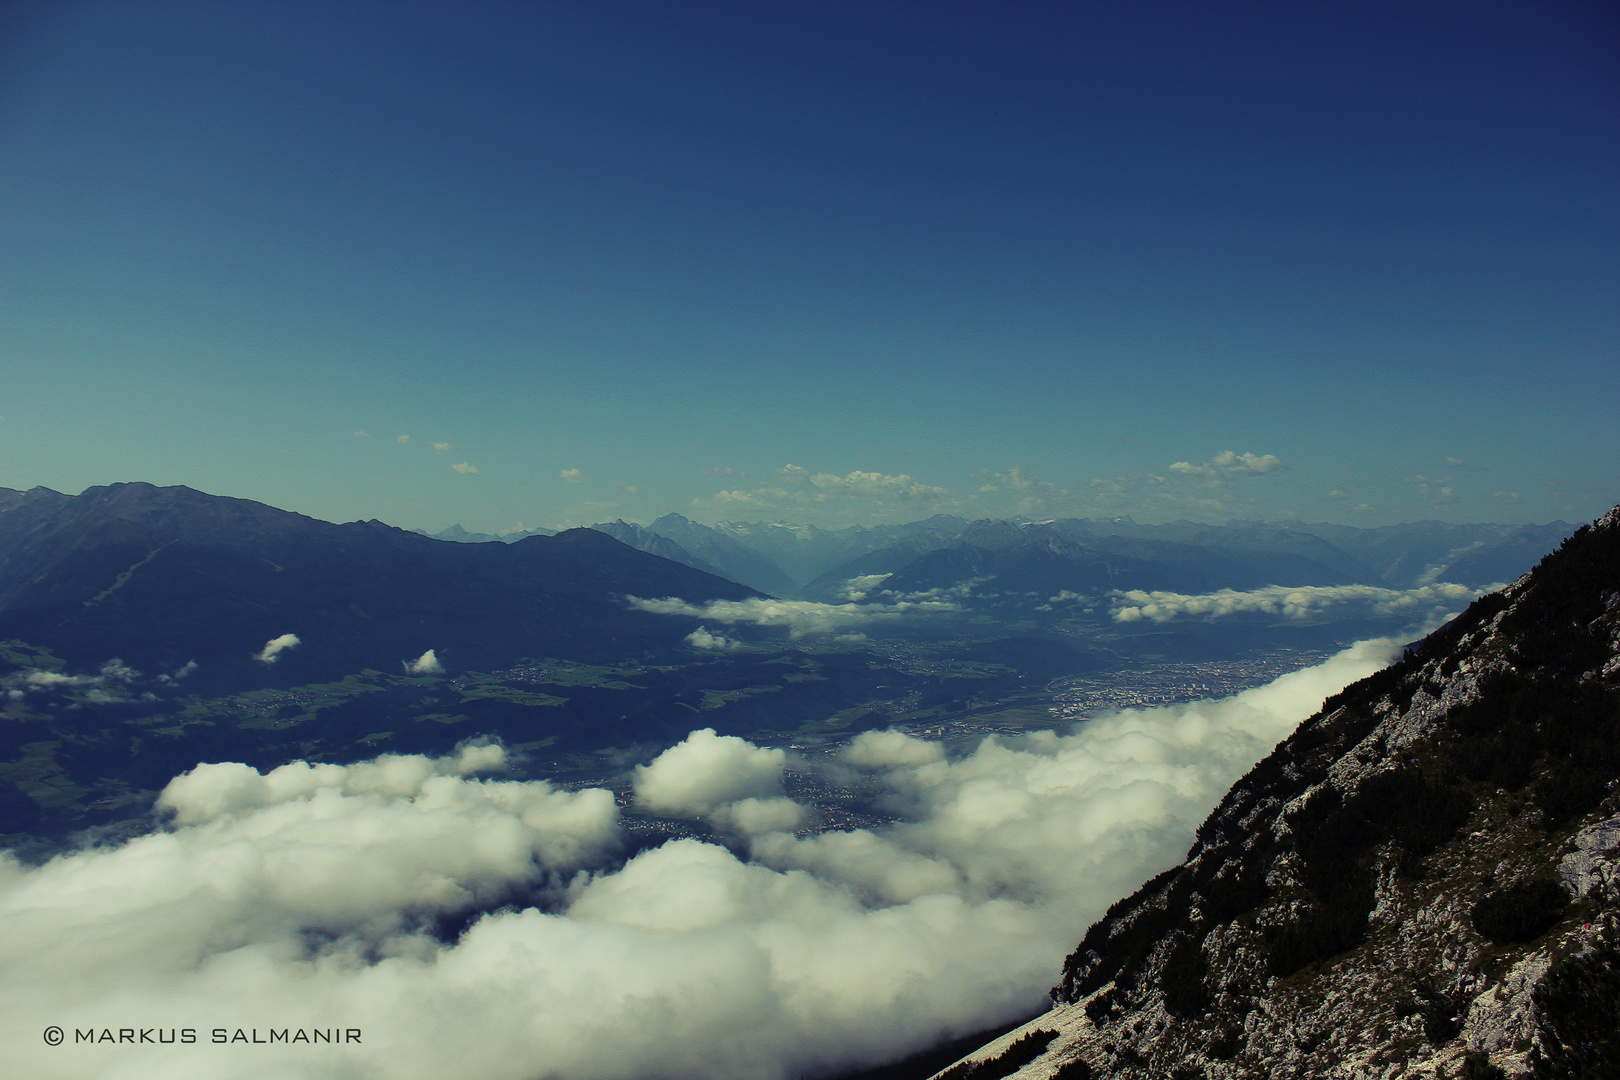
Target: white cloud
859,495
275,647
359,433
1019,479
426,664
703,638
50,679
179,673
1289,602
1437,491
113,671
857,588
800,617
697,775
465,469
571,476
885,749
872,485
116,670
1337,494
754,817
1508,497
402,439
1226,464
868,496
304,897
442,447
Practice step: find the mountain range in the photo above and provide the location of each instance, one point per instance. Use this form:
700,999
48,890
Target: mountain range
163,578
1423,880
1079,555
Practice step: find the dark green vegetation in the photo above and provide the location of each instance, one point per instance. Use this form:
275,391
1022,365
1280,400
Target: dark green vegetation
1522,912
1477,1066
1537,748
1023,1050
1579,1014
1074,1069
925,1063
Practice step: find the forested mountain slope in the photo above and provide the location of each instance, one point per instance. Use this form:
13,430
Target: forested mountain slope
160,577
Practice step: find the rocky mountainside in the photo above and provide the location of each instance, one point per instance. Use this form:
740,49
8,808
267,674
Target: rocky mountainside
163,577
1422,881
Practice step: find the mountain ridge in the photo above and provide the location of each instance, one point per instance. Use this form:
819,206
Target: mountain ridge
1421,881
160,577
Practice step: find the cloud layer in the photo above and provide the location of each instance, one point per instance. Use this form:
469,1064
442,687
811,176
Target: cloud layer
330,896
800,617
1290,602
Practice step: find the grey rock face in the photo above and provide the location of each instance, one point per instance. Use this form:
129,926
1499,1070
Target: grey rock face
1595,862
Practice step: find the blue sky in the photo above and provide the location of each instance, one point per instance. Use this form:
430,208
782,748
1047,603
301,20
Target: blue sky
830,262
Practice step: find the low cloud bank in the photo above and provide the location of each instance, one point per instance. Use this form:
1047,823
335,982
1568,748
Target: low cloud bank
800,617
317,896
1302,602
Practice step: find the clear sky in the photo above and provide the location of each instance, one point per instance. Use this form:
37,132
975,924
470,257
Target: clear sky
817,261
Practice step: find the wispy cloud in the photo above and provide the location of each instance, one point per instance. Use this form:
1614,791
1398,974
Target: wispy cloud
53,679
869,497
443,447
1438,492
1288,602
109,683
465,469
304,896
402,439
571,476
800,617
859,495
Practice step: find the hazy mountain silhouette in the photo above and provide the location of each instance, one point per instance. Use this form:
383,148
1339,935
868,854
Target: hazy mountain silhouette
160,577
